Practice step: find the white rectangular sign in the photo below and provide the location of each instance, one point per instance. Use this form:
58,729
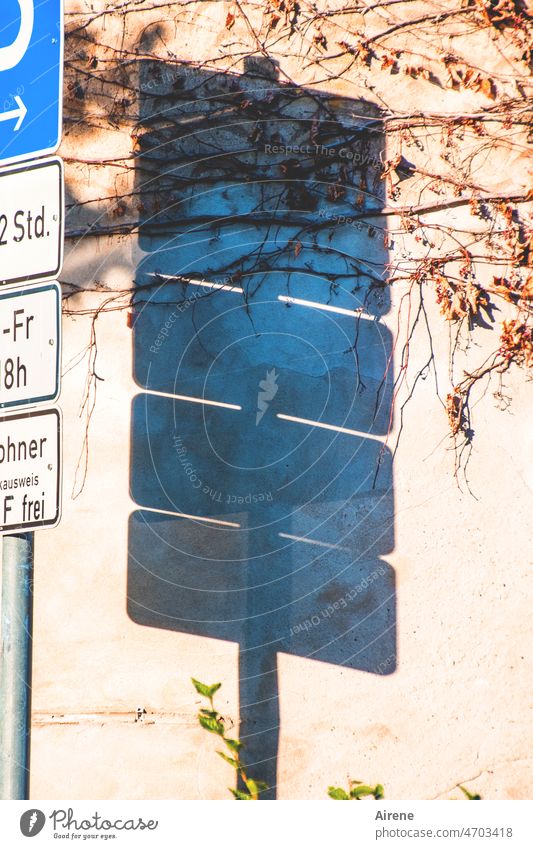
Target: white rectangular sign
30,470
31,221
30,345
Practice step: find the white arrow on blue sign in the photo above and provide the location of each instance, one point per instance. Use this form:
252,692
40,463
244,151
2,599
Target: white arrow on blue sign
31,78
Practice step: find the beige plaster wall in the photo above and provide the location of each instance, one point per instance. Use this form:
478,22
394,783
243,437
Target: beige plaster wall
458,707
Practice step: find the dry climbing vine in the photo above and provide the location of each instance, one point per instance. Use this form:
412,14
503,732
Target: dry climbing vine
310,105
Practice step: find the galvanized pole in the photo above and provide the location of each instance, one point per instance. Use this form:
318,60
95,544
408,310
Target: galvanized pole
15,665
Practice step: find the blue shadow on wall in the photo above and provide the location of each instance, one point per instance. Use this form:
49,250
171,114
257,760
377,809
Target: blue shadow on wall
258,455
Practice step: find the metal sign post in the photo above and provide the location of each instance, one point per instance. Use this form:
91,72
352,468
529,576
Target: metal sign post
15,693
31,249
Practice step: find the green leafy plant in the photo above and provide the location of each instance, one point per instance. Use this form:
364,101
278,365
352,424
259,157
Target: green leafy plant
210,719
357,790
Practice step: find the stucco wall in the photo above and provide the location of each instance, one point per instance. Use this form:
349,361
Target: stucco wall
446,698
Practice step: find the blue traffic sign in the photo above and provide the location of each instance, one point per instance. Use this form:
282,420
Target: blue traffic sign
31,78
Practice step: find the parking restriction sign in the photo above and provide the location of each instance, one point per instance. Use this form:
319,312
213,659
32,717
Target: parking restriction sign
30,470
31,221
30,345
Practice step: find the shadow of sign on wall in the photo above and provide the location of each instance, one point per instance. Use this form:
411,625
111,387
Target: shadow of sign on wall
258,455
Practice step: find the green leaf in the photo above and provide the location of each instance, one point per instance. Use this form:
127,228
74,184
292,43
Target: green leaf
360,791
241,796
379,791
211,724
207,690
474,797
235,764
212,713
337,793
255,787
234,745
